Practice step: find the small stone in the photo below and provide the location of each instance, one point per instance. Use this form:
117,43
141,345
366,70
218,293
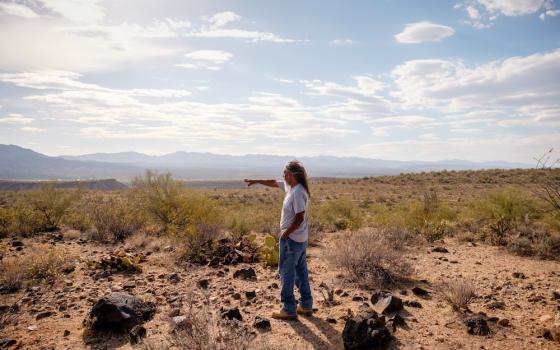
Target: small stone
246,274
174,312
477,326
357,298
519,275
496,305
331,320
174,278
231,314
504,322
262,323
129,285
44,314
203,283
33,327
545,318
17,243
338,291
66,333
556,295
137,333
412,303
236,296
419,291
7,342
250,294
440,250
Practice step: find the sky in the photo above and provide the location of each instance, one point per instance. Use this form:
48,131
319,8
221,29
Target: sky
394,79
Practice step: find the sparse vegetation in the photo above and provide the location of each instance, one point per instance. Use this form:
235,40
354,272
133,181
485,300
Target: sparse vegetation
459,294
42,264
369,259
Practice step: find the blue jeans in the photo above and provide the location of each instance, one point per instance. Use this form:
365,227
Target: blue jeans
293,271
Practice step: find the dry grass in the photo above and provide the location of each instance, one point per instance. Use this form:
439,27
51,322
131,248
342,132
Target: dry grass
42,264
144,242
369,259
204,330
459,294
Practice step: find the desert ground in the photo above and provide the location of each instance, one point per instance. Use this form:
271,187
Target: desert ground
509,270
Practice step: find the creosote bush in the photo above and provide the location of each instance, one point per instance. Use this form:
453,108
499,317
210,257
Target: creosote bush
369,259
114,218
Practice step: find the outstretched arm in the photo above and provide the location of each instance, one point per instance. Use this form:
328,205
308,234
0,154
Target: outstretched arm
269,183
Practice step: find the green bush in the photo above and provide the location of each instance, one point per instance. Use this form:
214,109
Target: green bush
502,211
6,221
113,217
159,196
336,214
42,210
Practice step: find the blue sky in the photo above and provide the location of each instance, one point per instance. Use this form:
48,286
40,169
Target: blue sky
408,80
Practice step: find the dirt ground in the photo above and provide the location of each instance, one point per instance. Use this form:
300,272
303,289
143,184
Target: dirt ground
528,299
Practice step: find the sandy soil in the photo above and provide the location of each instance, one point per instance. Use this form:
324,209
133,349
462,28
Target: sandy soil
529,304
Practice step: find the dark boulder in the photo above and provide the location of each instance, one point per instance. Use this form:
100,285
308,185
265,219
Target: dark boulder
365,331
388,304
120,311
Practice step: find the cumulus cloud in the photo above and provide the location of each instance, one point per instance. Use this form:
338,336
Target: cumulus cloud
419,32
482,13
525,86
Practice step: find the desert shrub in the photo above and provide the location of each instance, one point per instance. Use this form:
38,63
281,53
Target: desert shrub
6,221
78,216
113,217
159,196
459,294
336,214
49,205
26,221
369,259
502,210
42,264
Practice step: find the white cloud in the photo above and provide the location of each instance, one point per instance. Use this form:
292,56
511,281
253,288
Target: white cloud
207,59
15,119
214,56
18,10
420,32
220,19
513,7
216,29
80,11
31,129
518,86
482,13
342,42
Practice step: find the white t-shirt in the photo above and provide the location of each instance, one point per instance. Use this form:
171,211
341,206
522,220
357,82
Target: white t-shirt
295,201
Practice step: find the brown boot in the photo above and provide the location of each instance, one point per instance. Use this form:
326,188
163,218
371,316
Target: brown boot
283,315
301,311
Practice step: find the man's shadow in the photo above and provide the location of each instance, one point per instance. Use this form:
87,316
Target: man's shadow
334,338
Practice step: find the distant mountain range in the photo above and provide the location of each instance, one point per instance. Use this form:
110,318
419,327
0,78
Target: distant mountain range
19,163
